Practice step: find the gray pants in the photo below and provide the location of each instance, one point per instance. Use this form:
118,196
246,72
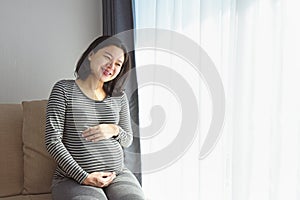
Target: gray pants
124,187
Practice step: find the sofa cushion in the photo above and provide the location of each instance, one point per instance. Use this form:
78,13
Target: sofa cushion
29,197
41,197
38,164
19,197
11,154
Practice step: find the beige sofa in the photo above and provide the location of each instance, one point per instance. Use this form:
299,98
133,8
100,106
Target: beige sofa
26,168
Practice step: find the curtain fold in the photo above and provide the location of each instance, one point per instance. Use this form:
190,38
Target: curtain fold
255,47
117,18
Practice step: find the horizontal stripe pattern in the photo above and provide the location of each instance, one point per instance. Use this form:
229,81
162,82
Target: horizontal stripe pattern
69,113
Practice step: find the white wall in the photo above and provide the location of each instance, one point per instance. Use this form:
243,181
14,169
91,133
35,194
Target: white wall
40,42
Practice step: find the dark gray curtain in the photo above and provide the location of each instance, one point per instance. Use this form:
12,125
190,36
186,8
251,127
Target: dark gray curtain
118,17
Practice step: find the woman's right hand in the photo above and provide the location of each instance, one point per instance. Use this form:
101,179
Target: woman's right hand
100,179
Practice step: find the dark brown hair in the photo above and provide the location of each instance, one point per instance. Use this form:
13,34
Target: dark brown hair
82,71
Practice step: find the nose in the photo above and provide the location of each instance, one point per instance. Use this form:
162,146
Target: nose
110,65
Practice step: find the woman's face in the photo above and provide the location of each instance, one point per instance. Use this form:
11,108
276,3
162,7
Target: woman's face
106,63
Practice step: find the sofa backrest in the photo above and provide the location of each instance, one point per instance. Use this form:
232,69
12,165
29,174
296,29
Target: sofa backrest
39,166
11,152
26,167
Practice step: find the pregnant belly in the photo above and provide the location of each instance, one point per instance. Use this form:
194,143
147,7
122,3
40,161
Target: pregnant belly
104,155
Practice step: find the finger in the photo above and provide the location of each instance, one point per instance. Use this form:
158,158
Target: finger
103,182
108,181
97,137
100,184
112,177
86,133
106,178
93,137
103,174
90,131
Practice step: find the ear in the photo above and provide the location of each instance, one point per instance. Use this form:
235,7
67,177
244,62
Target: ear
90,55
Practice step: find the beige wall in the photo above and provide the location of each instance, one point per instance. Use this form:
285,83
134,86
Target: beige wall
40,42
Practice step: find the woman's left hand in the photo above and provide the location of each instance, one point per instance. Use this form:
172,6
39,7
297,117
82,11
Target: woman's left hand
100,132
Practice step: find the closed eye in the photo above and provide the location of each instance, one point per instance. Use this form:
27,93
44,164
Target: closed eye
119,64
107,57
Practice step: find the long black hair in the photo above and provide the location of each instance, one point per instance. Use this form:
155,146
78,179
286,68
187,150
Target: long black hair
82,71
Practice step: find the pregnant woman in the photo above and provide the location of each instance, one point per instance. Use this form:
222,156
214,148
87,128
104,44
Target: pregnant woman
88,124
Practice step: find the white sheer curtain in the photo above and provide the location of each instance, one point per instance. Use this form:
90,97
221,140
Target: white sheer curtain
255,47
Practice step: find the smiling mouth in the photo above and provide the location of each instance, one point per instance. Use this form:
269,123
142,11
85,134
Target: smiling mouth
107,73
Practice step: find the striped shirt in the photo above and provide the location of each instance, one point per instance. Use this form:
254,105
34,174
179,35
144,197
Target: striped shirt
69,113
